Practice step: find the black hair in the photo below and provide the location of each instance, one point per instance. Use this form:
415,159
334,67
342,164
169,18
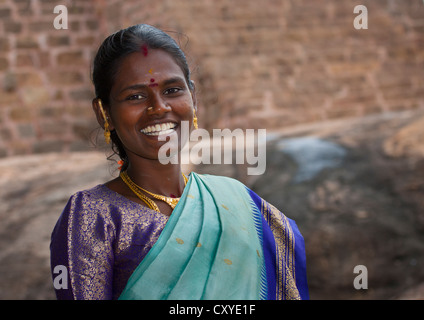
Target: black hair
119,45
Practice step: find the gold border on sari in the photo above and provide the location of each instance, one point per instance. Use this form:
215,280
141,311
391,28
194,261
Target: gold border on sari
285,256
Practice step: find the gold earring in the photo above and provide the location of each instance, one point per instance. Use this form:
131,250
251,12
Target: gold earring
107,131
195,120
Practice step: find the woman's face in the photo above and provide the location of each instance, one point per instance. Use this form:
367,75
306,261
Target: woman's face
149,99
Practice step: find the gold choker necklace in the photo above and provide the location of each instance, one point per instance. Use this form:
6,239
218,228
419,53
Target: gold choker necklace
172,202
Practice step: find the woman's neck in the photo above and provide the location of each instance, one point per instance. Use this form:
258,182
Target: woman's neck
163,179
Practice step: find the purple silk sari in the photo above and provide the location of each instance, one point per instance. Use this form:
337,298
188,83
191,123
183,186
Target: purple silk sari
101,238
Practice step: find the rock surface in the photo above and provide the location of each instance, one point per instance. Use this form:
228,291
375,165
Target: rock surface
33,193
354,187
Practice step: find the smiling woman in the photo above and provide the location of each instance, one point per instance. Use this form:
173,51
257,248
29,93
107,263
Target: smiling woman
138,112
153,233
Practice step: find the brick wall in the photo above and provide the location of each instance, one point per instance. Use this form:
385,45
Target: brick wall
261,64
44,74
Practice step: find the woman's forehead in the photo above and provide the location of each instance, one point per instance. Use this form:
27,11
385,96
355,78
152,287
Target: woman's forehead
139,66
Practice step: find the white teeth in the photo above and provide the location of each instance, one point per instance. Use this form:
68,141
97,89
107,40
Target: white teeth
157,133
164,128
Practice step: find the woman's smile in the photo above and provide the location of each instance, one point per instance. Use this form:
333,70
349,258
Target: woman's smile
159,129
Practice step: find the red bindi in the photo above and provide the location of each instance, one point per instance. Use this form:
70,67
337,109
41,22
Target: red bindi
152,84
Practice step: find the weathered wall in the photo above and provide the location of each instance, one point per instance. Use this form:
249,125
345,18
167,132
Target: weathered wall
45,80
261,64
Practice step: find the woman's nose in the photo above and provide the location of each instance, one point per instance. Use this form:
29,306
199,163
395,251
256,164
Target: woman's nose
158,106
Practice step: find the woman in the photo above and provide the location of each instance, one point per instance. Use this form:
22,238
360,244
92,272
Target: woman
153,233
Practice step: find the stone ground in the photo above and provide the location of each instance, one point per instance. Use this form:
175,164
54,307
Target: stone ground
353,186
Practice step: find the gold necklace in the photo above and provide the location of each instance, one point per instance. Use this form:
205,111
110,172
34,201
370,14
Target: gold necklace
150,203
172,202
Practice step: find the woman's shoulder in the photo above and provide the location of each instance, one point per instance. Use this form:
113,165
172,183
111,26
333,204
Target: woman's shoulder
93,194
101,200
94,200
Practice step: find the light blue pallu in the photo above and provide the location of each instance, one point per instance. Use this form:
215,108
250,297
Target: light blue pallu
222,242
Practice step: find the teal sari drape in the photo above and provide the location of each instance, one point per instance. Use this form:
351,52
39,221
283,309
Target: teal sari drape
218,244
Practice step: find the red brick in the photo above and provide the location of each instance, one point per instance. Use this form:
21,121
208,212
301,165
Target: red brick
24,60
58,40
5,13
4,64
26,43
65,77
70,58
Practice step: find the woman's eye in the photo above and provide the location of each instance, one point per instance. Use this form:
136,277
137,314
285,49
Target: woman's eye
172,90
135,97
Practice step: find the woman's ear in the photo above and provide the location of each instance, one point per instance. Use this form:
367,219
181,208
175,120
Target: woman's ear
101,113
193,94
